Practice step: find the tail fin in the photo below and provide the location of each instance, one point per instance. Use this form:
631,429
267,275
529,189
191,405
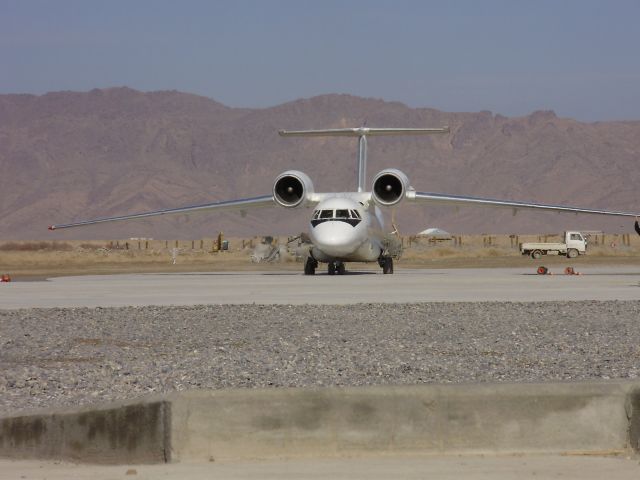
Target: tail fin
361,133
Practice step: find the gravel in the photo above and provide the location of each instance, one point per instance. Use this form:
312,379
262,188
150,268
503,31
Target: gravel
80,356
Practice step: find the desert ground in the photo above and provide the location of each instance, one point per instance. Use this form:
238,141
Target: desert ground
32,260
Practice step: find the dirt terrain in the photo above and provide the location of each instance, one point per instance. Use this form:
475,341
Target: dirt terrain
36,260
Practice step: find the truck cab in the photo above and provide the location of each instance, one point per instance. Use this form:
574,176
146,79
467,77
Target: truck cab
576,241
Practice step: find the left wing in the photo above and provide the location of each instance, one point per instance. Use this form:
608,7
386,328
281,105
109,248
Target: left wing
240,204
458,200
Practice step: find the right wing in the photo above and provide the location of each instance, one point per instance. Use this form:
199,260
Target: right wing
241,204
460,200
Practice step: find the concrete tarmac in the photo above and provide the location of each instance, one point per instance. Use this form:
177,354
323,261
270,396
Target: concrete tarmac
486,467
285,287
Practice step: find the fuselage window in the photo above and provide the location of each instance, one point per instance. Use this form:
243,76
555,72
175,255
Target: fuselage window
342,213
326,214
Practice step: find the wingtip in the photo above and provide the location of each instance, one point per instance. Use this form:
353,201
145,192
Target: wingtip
52,227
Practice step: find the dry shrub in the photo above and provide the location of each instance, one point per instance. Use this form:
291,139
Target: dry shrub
91,246
445,252
36,247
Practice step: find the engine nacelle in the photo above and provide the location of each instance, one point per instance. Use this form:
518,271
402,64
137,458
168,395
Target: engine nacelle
389,187
292,188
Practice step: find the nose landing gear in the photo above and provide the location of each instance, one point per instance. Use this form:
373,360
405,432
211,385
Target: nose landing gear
336,267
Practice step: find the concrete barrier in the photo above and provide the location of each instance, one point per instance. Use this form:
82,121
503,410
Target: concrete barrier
121,433
433,419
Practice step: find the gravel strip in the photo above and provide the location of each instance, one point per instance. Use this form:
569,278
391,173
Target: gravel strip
80,356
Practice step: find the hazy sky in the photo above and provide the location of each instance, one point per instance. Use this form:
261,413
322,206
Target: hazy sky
579,58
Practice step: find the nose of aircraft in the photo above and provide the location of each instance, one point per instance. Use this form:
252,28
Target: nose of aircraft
335,238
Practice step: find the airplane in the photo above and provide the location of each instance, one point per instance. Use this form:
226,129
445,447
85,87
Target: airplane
349,226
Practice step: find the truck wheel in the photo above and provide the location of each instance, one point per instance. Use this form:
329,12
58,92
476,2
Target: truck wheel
536,254
572,253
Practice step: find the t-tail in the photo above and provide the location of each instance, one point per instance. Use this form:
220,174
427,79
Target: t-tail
362,133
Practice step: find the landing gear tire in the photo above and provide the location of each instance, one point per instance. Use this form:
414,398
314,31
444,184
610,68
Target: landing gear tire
336,268
310,266
387,265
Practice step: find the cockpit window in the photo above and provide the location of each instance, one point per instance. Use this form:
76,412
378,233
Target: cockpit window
344,215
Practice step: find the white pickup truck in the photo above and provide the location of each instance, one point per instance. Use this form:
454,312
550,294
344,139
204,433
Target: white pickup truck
574,244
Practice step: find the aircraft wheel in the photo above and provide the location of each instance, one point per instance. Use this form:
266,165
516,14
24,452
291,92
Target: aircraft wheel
332,268
387,265
310,266
342,269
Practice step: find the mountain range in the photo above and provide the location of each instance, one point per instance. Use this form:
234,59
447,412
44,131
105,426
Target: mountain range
67,156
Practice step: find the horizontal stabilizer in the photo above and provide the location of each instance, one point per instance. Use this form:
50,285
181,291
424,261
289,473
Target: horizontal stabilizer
361,131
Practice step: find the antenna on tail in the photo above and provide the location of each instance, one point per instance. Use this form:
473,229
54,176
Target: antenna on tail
361,133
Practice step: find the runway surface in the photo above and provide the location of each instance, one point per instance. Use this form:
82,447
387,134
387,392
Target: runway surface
453,467
280,287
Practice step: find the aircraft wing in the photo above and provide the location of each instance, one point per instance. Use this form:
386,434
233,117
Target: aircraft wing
458,200
240,204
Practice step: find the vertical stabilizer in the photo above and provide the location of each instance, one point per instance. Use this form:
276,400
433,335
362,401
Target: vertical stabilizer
362,134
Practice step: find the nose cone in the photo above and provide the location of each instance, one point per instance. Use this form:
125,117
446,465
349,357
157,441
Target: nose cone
337,239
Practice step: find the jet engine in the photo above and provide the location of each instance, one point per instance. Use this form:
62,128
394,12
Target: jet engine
292,188
389,187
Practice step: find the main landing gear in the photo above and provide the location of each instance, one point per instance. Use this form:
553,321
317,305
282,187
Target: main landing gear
386,262
310,266
334,268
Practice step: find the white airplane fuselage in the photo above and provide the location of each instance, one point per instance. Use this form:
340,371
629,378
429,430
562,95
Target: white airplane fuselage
343,229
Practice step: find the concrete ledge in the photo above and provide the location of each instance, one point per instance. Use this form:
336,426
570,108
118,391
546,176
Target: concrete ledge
245,424
586,417
123,433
